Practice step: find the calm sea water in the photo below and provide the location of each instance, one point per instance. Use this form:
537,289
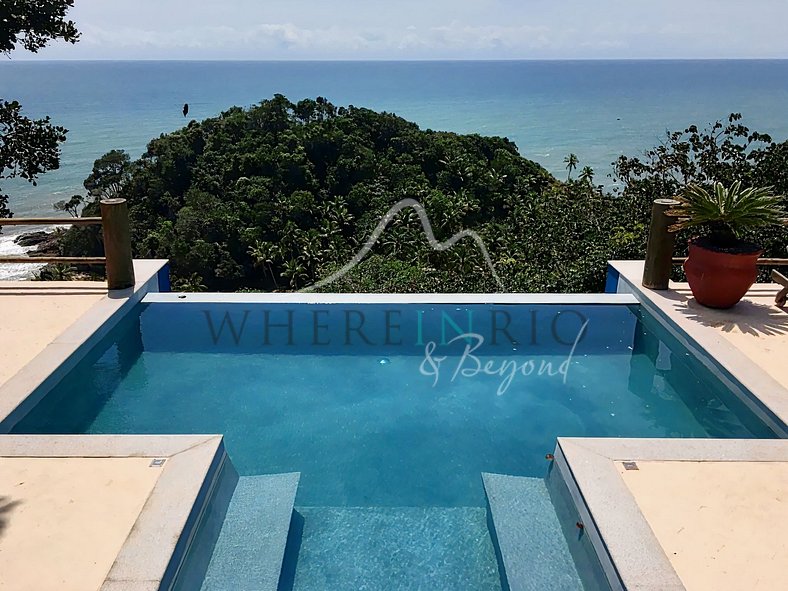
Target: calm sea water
596,109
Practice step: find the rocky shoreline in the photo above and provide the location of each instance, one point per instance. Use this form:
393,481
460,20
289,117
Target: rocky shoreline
45,243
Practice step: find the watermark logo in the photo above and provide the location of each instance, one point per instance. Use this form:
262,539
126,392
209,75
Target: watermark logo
447,344
470,365
434,243
441,356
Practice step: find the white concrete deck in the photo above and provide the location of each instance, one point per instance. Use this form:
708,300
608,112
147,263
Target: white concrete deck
94,512
63,521
721,524
35,313
683,514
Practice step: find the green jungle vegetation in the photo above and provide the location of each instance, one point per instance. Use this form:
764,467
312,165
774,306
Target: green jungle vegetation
283,194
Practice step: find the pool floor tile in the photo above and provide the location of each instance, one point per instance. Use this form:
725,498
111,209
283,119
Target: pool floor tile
402,548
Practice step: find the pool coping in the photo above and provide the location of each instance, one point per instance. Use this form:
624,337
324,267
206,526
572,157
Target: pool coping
22,391
155,547
760,392
559,299
629,552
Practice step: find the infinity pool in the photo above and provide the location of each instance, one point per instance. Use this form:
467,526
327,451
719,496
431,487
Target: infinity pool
392,412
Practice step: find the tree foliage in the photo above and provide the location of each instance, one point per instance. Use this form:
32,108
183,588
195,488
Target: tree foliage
30,147
281,195
34,23
571,162
726,152
71,207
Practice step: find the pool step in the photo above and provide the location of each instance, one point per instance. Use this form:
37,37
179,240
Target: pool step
395,548
250,548
528,537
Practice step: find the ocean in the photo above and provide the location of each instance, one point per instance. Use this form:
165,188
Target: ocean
595,109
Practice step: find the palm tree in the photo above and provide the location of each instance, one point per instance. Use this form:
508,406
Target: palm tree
192,283
571,162
587,175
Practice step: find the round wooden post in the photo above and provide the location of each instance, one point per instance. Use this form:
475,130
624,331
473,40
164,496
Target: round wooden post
659,252
117,243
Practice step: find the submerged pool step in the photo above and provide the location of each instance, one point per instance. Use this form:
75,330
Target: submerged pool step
395,548
250,548
528,535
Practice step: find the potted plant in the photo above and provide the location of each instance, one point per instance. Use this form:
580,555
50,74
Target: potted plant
721,266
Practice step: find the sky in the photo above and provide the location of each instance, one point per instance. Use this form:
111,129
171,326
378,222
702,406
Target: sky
424,29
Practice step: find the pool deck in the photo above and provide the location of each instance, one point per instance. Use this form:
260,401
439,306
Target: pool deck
703,514
683,514
722,524
76,511
64,520
35,313
95,512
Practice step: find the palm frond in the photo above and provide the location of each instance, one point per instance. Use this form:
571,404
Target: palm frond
733,207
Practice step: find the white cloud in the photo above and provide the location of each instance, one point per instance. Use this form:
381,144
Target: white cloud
414,29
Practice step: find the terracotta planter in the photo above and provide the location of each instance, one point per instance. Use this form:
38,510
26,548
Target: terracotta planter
720,279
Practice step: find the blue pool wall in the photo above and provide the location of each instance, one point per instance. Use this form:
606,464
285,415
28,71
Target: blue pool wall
580,546
611,280
496,547
402,329
163,277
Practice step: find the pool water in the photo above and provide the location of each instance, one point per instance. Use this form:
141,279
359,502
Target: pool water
391,413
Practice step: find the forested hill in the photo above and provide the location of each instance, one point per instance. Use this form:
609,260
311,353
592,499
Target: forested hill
278,196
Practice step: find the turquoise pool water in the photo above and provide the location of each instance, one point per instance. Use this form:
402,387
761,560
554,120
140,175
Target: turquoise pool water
391,413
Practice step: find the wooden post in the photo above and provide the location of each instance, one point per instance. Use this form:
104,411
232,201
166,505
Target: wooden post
117,243
659,252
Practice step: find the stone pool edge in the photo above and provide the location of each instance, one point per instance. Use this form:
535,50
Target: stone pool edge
154,549
628,550
559,299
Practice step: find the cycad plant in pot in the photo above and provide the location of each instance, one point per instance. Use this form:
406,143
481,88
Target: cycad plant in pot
721,266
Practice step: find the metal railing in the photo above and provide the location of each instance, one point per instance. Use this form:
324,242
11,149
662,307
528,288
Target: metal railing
117,257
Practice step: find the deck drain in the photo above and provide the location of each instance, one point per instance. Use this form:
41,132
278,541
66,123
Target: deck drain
630,466
157,463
